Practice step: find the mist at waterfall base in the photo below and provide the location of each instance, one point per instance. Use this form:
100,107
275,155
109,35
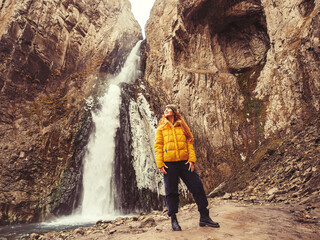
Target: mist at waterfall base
98,185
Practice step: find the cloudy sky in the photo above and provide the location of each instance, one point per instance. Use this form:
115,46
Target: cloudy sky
141,10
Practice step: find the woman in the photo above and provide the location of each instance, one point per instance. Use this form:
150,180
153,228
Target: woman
175,157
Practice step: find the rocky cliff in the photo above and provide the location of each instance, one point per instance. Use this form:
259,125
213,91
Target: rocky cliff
51,55
245,74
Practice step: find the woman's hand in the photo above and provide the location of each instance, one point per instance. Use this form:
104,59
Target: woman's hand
163,169
191,166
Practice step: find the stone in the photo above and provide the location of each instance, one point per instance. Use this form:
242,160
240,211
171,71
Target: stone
253,198
34,236
99,222
22,154
272,191
79,231
218,191
227,196
270,198
118,221
148,222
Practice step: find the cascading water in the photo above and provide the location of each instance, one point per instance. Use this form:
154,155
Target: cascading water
98,189
98,183
98,166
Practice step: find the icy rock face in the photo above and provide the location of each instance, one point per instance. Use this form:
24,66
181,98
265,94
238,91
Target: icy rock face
143,127
242,72
138,183
51,54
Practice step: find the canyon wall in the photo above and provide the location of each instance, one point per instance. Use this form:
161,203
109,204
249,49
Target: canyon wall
52,54
245,74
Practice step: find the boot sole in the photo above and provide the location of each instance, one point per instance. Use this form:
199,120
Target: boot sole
202,224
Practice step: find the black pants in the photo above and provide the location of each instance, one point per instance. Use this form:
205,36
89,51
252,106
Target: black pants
192,181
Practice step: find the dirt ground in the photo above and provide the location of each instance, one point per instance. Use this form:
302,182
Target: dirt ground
237,221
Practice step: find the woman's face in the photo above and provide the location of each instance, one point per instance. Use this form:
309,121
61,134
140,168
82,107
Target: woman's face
168,112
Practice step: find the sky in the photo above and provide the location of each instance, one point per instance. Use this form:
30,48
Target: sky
141,11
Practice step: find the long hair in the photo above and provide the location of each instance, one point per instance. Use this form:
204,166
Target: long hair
186,130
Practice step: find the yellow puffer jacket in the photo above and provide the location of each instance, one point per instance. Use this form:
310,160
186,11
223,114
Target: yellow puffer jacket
171,145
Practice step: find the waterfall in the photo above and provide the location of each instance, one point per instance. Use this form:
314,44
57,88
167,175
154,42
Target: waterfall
98,173
98,164
98,183
98,188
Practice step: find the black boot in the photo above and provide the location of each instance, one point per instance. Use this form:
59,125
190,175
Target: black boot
205,220
174,223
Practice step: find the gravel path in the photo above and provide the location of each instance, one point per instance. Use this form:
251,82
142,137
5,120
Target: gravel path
237,220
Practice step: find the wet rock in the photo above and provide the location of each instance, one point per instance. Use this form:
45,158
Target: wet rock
99,222
119,221
34,236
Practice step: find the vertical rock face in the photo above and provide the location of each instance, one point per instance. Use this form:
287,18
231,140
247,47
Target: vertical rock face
139,185
244,73
290,80
51,53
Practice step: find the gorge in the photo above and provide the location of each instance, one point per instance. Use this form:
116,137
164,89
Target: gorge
244,73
